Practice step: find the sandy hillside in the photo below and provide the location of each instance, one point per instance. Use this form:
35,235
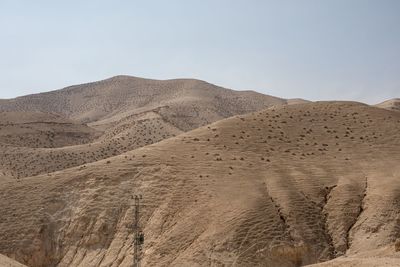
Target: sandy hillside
287,186
122,113
42,130
387,256
7,262
185,103
130,133
391,104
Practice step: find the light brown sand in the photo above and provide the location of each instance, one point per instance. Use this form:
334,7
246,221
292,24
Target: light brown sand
7,262
127,113
391,104
287,186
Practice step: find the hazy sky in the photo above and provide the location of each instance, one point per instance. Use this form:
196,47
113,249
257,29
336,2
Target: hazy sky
318,50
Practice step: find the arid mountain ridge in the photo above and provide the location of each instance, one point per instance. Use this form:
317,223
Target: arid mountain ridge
228,178
125,95
127,112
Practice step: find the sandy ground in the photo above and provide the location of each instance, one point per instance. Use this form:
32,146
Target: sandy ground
286,186
185,103
385,256
7,262
391,104
41,130
122,113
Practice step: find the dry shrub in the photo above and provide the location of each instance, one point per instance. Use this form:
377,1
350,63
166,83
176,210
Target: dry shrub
397,245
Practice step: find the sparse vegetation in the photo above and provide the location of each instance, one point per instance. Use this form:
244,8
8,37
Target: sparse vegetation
293,184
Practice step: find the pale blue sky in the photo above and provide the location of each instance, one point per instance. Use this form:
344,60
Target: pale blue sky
313,49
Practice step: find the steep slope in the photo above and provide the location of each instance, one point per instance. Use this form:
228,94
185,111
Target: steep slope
36,129
392,104
286,186
7,262
185,103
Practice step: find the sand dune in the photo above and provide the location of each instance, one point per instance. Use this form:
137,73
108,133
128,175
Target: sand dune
286,186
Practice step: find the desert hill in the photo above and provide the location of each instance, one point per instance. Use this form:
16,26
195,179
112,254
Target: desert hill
122,112
36,129
391,104
185,103
286,186
130,133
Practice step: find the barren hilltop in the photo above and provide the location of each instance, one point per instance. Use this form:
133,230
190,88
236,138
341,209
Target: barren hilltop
122,112
186,103
228,178
391,104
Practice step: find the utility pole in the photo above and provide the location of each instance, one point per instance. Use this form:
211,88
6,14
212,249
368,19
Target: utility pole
138,234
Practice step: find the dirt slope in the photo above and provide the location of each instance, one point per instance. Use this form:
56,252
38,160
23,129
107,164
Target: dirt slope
383,257
185,103
41,130
286,186
127,113
7,262
129,134
391,104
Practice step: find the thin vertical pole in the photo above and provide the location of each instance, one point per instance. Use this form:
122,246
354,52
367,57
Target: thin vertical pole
137,243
